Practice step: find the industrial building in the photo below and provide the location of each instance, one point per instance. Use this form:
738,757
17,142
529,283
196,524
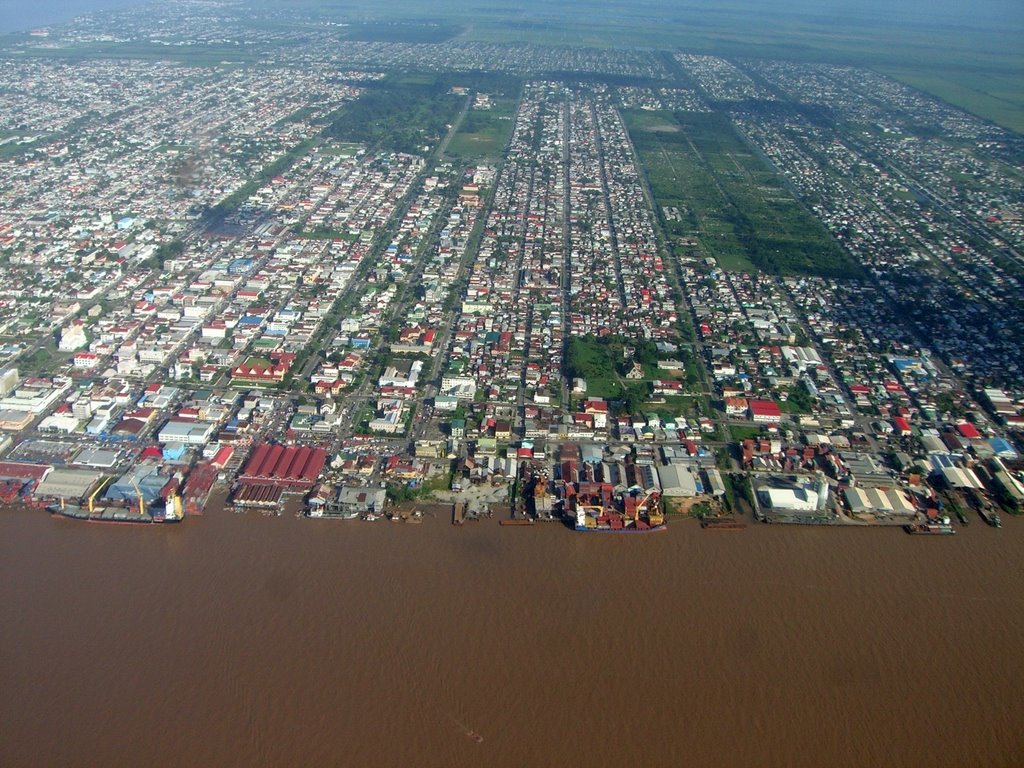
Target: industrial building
67,484
881,502
286,466
351,502
793,498
142,478
677,481
956,477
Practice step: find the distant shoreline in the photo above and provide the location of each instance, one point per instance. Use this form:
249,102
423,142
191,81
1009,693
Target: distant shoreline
17,18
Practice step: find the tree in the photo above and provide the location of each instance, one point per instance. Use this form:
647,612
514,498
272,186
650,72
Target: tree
635,396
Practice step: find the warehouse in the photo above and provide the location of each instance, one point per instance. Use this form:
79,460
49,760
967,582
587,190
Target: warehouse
878,501
287,466
67,484
677,481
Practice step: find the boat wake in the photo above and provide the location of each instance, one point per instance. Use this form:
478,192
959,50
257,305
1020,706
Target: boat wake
468,732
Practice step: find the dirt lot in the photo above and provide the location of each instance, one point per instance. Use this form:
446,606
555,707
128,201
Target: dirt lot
477,498
684,506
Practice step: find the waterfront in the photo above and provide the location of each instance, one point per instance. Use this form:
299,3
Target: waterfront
269,641
17,16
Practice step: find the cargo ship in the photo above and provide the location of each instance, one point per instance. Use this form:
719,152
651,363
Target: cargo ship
138,514
112,514
616,523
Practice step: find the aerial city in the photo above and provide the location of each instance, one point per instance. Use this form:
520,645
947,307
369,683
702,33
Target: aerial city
260,260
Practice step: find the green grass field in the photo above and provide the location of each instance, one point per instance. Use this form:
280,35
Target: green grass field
339,148
728,198
484,134
679,180
597,364
995,96
971,59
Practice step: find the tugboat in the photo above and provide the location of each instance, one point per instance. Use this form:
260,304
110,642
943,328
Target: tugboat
990,516
721,523
941,527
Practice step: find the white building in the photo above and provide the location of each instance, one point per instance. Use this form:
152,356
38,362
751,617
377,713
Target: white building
403,375
808,496
73,337
461,387
187,432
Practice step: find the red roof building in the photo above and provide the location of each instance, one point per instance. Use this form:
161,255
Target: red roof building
223,456
260,372
765,411
968,430
85,360
736,406
10,470
287,466
902,426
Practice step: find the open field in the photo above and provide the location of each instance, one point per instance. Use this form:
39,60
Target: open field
597,363
484,134
681,182
995,96
724,195
976,63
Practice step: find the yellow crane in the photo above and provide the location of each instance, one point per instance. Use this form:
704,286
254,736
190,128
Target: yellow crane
90,503
142,501
652,507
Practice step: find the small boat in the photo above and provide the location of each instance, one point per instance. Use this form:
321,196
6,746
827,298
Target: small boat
722,523
990,516
929,529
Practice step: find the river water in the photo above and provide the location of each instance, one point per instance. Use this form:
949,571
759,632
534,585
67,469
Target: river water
239,640
20,15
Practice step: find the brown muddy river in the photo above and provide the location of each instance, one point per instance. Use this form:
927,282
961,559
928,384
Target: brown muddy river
252,641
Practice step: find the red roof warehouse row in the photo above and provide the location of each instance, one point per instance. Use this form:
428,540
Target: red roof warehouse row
293,466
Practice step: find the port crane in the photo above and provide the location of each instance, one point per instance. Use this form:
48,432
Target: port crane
650,506
592,503
138,494
91,501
